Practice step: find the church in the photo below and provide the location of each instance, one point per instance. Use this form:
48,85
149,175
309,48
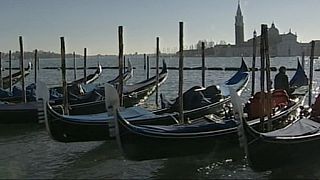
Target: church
279,44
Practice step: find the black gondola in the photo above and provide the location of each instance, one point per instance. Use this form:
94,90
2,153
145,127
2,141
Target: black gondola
15,95
292,145
238,81
73,87
79,93
15,77
133,94
298,142
143,142
12,113
93,127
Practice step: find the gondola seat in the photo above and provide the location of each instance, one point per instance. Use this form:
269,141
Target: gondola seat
253,107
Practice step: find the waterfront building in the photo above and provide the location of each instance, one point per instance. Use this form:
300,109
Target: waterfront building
285,44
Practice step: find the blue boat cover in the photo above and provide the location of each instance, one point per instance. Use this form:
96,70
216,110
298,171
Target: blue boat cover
204,127
237,77
128,113
299,78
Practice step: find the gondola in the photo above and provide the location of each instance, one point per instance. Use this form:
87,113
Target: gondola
56,92
13,113
93,127
74,86
66,128
292,145
194,110
79,93
90,78
144,142
15,77
79,86
132,94
126,76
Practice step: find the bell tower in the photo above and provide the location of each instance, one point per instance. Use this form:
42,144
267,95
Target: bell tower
239,26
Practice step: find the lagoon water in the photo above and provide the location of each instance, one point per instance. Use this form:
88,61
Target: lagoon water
27,151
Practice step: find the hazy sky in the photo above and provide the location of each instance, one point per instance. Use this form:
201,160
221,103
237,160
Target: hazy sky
94,23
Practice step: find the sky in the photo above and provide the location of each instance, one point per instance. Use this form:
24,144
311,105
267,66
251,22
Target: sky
93,24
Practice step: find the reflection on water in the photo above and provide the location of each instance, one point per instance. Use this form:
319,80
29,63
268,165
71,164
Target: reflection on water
26,151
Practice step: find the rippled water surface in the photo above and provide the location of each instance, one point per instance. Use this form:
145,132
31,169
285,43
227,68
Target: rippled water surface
26,151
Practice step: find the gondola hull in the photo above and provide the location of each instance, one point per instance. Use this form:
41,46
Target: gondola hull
79,130
19,113
268,153
134,95
136,141
15,78
70,130
67,130
239,81
152,142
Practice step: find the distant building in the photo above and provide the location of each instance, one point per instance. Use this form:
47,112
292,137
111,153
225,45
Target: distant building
239,25
279,44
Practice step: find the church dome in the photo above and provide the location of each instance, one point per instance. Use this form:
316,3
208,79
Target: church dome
273,31
274,36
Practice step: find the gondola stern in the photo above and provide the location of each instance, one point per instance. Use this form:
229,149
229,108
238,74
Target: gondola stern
112,102
243,67
164,67
299,78
43,95
99,70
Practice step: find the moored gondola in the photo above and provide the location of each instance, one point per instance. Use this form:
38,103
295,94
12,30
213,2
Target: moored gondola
143,142
133,94
16,77
295,144
14,113
93,127
15,95
214,97
298,142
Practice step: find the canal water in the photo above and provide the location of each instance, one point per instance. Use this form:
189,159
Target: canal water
26,150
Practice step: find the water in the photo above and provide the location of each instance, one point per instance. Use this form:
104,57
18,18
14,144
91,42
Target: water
26,151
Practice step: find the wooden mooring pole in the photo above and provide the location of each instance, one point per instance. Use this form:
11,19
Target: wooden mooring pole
1,80
262,78
74,66
203,65
120,88
311,72
268,75
144,61
157,71
64,81
124,64
253,69
181,115
35,66
302,60
24,99
10,72
148,67
85,65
